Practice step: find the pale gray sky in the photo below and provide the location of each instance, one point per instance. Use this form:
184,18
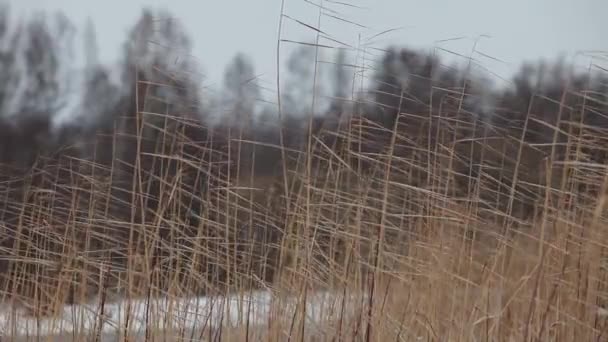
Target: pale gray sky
519,29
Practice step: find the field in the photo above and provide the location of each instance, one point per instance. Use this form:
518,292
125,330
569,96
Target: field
393,261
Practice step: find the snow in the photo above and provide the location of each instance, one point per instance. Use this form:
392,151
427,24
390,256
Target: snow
167,314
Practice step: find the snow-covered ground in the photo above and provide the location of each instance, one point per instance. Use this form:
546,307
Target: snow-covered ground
164,314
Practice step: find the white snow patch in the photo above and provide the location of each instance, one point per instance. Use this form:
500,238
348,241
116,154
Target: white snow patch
167,314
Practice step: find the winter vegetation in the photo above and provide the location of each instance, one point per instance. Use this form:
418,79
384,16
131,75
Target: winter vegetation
397,198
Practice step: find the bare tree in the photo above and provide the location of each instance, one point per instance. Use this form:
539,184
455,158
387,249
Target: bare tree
241,91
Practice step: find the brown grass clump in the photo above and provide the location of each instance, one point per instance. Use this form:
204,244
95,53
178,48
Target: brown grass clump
410,248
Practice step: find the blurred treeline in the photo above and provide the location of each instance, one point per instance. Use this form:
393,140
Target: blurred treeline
49,107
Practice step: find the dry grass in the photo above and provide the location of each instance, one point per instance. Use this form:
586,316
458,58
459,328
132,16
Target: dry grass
395,261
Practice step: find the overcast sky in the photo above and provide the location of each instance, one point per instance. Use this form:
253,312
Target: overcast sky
519,29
